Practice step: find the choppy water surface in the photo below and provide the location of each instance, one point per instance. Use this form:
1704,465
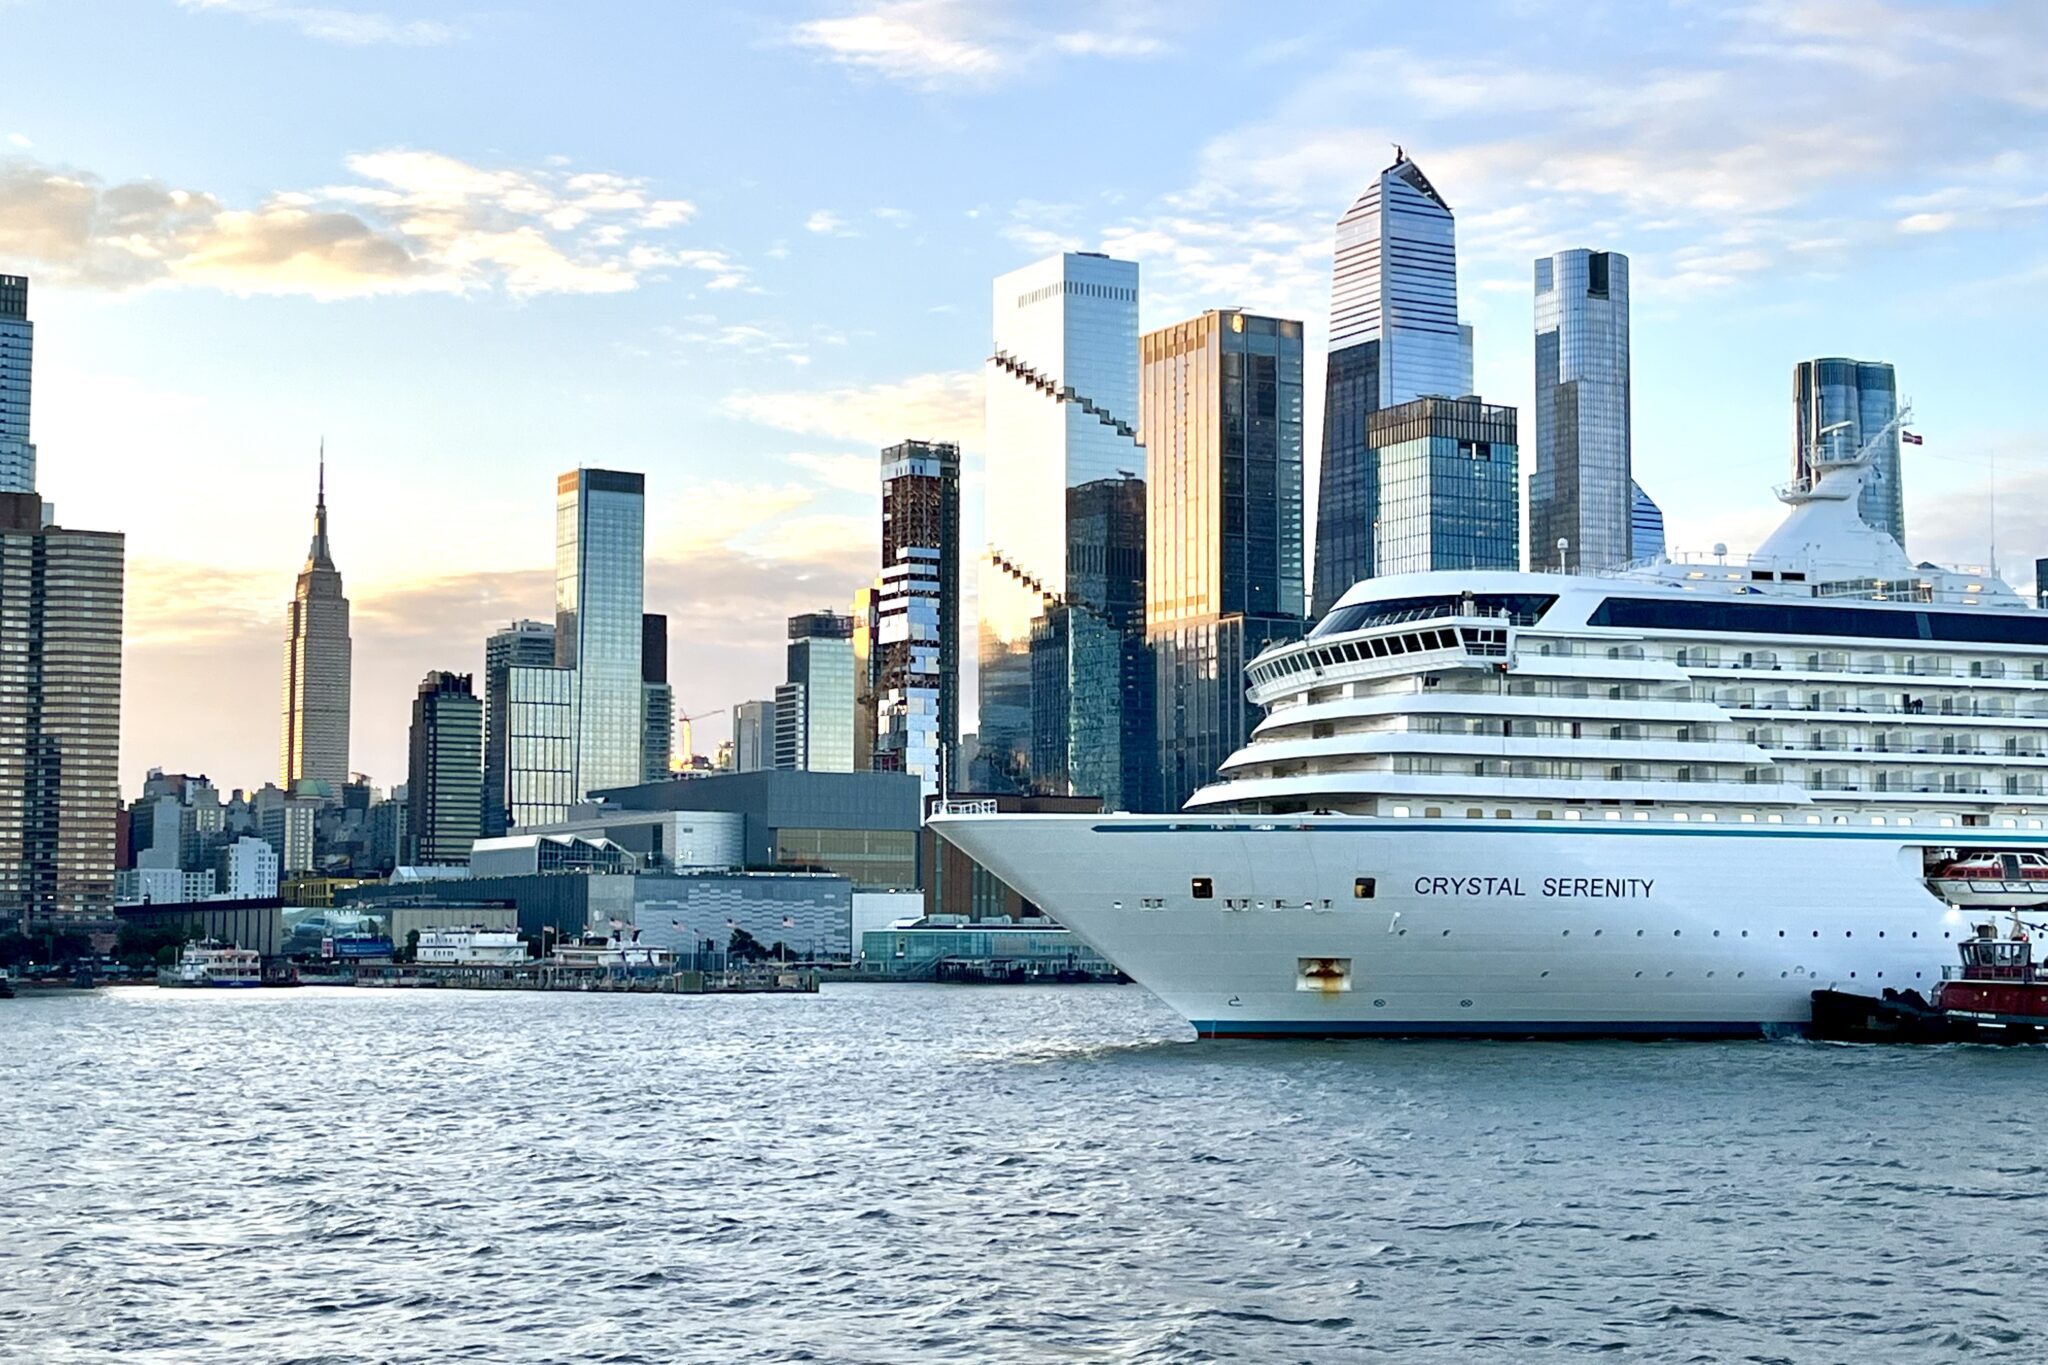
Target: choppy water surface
924,1174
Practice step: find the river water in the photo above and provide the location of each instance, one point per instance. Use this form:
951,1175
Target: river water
917,1173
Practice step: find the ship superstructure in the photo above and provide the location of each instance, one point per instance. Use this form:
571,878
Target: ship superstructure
1675,798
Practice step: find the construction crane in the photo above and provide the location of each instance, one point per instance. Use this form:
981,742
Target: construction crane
689,750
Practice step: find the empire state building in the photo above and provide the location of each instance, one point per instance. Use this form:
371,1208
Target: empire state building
316,667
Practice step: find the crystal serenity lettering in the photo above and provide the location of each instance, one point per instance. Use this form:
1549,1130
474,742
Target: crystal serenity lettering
1556,888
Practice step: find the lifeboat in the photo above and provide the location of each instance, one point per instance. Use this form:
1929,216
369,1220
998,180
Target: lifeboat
1996,994
1996,881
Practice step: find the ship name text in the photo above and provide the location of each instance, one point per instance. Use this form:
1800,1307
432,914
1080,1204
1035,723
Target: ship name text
1553,888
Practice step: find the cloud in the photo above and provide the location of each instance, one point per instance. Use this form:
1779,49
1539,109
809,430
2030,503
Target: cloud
962,44
826,223
1927,222
935,407
410,221
847,473
351,28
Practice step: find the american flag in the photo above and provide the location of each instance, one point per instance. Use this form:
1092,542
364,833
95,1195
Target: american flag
788,923
1911,438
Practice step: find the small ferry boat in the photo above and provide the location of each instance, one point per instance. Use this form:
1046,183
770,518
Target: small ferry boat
1997,994
1993,879
217,964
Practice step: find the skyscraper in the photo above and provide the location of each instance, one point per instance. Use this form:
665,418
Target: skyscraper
814,707
17,367
1062,400
1450,486
1394,337
1838,407
600,520
917,674
60,714
866,675
1221,423
523,644
1646,525
1580,491
445,775
317,663
657,700
753,736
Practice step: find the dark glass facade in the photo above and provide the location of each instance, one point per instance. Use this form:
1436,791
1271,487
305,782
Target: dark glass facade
1221,419
1348,503
444,778
523,644
1450,487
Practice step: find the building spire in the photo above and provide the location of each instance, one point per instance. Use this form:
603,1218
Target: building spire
318,557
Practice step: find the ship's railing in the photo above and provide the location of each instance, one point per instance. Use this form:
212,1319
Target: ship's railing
2038,673
964,808
1972,712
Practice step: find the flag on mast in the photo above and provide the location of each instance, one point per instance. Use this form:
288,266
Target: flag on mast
1911,438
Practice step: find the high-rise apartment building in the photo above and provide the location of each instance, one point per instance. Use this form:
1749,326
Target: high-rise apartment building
1062,404
600,532
1450,484
1394,337
917,672
317,664
60,716
1580,490
1221,419
657,701
753,736
1838,407
1646,526
17,369
523,644
814,707
445,775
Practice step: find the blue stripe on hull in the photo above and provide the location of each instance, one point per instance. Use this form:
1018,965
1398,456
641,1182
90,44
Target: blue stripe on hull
1360,1028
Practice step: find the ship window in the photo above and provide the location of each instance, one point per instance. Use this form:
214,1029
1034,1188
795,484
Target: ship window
1202,889
1363,887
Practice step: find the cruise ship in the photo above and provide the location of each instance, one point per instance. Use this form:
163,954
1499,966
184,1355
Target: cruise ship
1672,800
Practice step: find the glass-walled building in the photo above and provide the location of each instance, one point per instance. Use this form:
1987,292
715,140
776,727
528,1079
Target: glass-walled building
917,614
1838,407
814,708
17,368
1062,402
540,746
1450,488
1580,490
600,523
522,644
444,775
1394,337
1222,427
1646,528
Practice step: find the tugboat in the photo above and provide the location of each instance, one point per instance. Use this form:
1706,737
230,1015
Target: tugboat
1996,995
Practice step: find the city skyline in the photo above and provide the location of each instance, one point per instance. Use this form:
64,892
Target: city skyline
447,363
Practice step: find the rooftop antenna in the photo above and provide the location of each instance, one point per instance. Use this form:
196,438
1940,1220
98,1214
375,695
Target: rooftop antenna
1994,511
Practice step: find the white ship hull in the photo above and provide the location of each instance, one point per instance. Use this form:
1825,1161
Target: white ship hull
1489,929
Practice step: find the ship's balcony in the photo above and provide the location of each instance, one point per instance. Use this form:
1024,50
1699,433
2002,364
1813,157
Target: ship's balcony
1335,748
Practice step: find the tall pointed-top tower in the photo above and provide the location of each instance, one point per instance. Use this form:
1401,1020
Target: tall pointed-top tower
316,665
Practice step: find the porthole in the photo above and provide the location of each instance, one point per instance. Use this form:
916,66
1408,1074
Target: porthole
1848,933
1639,933
1202,888
1598,932
1717,933
1362,888
1638,973
1745,933
1676,932
1543,973
1446,934
1465,1004
1567,934
1379,1004
1816,933
1740,975
1709,973
1880,933
1667,974
1781,933
1916,933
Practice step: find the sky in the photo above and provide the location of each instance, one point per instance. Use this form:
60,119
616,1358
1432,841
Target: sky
472,244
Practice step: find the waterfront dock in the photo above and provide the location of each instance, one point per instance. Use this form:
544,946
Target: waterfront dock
550,976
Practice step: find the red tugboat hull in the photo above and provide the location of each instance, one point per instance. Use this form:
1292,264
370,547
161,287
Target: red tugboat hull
1903,1017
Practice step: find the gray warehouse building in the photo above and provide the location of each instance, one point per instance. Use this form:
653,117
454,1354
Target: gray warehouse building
863,826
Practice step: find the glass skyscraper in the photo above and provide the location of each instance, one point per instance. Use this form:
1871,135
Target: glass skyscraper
1394,337
1450,486
1222,426
1646,525
917,614
1062,402
657,701
1580,491
60,710
318,661
523,644
814,707
1857,398
17,367
600,532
